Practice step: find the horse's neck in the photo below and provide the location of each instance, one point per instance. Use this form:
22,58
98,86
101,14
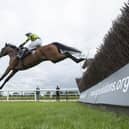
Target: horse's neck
12,54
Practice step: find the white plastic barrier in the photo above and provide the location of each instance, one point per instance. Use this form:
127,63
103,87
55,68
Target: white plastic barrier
114,90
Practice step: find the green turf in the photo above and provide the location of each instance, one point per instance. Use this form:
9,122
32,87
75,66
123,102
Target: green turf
60,115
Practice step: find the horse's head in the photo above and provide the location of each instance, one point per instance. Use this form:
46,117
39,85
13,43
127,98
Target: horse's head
7,49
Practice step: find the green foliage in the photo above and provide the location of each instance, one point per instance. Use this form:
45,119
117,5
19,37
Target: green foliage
112,54
57,115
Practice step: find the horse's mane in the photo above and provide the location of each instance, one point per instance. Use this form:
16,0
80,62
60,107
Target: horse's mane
11,45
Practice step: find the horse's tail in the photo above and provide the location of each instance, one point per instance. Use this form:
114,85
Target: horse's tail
66,48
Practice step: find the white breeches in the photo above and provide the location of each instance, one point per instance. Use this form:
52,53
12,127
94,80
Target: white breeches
35,44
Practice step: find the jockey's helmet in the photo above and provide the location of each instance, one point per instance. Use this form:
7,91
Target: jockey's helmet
28,34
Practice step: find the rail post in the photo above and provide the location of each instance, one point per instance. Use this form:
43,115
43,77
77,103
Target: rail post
7,95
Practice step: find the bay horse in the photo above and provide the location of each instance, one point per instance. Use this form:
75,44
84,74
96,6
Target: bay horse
53,52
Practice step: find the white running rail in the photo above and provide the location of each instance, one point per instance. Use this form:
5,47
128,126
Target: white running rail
39,95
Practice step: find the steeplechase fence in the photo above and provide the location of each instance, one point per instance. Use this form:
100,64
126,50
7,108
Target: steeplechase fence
114,90
40,95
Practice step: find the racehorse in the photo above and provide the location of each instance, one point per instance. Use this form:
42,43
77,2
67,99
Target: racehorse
53,52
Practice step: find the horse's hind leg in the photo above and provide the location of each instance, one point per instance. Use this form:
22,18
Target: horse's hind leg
74,58
56,61
59,58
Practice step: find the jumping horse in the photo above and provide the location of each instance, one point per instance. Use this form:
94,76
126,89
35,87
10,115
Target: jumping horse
53,52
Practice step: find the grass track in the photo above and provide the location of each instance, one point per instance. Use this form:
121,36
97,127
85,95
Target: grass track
63,115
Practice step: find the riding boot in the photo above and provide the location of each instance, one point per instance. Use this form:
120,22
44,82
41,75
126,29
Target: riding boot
21,53
20,56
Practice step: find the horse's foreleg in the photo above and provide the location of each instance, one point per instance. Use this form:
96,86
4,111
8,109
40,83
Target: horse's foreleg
5,73
11,66
8,78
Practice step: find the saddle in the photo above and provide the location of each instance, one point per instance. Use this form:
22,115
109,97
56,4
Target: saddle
23,52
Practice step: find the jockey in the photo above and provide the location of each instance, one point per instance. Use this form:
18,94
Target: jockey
36,41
